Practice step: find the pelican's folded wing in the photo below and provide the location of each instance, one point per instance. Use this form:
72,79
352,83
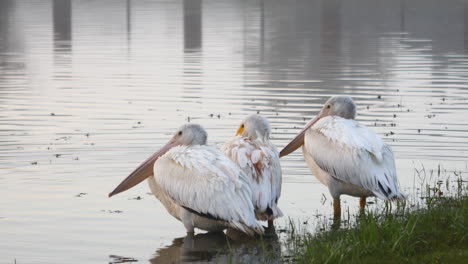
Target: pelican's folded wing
204,181
354,154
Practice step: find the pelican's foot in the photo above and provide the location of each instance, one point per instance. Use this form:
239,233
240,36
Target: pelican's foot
336,223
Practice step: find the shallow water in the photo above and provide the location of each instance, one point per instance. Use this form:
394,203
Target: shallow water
89,89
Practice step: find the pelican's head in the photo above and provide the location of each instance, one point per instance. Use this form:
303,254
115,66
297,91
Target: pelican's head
342,106
186,135
189,135
253,127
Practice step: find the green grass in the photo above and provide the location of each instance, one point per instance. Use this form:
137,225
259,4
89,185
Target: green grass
435,233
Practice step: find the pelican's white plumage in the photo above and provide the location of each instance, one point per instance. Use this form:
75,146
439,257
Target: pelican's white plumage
346,156
198,184
353,154
201,181
258,157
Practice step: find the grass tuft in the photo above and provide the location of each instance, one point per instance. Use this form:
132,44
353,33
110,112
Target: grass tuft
435,233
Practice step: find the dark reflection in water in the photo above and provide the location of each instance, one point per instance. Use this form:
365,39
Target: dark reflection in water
62,21
330,34
11,45
192,53
466,26
192,25
5,6
220,248
129,22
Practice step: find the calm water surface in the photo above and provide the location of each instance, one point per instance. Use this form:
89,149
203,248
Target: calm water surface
89,89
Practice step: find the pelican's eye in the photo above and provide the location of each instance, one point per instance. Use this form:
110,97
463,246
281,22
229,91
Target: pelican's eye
180,133
328,106
242,126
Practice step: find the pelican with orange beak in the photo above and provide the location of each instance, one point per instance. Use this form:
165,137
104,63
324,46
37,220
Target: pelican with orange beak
252,150
197,184
346,156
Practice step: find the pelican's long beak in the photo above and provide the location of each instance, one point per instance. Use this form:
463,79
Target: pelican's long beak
299,139
143,171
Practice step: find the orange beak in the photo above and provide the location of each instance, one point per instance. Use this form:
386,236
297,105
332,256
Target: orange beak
143,171
240,130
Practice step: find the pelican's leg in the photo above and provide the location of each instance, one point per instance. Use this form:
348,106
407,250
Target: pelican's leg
336,208
336,214
362,203
187,220
270,223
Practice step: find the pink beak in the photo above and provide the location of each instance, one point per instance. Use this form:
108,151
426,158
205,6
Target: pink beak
299,139
143,171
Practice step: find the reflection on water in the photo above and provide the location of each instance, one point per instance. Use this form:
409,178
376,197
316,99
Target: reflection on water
219,248
88,89
62,20
192,25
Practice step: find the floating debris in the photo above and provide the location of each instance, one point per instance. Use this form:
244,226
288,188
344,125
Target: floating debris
34,163
112,211
120,259
52,114
80,194
136,198
379,96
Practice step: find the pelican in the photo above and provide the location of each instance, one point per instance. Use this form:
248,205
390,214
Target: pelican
346,156
197,184
252,150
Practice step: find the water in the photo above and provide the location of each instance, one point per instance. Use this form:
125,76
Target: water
89,89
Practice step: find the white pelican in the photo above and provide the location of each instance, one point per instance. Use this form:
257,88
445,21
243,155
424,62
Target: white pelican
346,156
197,184
258,157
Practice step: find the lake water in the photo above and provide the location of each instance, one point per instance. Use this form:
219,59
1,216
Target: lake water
89,89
